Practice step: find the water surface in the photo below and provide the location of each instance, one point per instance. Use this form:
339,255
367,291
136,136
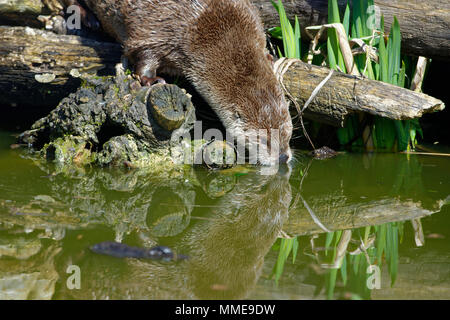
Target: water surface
241,230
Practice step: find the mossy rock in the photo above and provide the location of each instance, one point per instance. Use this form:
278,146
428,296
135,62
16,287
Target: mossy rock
68,150
109,121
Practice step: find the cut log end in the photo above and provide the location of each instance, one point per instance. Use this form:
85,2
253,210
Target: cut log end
168,104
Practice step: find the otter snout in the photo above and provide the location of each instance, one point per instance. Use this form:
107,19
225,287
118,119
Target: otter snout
284,158
274,159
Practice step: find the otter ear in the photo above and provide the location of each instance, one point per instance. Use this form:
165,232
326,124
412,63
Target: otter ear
270,58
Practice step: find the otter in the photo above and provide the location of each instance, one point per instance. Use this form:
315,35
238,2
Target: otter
220,46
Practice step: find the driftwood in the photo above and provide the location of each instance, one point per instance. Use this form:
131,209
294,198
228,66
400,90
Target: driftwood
425,25
36,65
344,94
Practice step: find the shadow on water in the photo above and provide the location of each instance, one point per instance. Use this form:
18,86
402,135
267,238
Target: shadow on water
227,222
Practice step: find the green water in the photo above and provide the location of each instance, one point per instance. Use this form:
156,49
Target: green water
230,224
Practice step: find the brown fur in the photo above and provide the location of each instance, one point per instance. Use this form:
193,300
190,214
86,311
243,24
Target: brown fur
218,44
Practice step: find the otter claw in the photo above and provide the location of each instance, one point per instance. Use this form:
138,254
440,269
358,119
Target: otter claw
146,81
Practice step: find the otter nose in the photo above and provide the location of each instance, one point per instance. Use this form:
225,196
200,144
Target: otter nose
284,158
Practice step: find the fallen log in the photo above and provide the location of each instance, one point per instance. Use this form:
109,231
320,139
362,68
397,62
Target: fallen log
35,65
115,122
425,25
36,68
21,12
344,94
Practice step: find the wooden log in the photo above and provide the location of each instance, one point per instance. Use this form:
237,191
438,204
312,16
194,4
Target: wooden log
21,12
167,104
35,65
425,25
344,94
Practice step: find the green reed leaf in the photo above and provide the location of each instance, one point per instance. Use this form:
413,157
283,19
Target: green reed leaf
328,240
346,20
344,270
332,275
335,57
380,243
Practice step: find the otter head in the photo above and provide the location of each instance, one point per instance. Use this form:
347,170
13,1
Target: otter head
227,61
251,104
265,122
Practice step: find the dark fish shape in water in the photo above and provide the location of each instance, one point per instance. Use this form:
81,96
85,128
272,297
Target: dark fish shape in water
121,250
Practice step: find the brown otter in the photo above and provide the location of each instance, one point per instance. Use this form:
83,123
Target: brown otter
220,46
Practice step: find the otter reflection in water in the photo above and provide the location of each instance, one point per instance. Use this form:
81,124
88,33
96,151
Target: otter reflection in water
228,251
226,241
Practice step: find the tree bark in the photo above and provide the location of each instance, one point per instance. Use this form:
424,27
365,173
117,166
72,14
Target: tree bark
425,25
